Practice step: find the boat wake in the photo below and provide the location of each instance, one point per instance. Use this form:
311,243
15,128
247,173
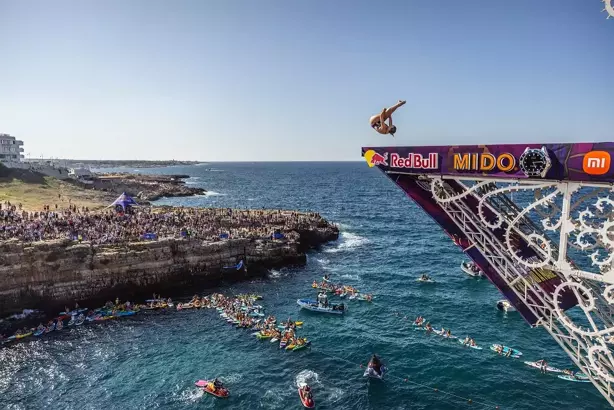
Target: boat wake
191,395
232,378
348,241
306,377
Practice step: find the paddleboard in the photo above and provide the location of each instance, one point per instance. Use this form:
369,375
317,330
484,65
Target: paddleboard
548,368
473,347
573,379
515,353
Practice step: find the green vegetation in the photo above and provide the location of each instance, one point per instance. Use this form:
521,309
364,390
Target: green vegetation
34,190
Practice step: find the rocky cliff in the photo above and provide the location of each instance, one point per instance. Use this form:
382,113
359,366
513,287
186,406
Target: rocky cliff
49,274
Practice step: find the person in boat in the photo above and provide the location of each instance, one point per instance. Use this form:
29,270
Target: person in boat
428,327
543,365
326,277
509,352
449,333
499,349
466,341
569,372
306,390
378,122
375,364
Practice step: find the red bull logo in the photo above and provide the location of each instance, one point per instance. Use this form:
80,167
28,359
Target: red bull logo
373,158
415,161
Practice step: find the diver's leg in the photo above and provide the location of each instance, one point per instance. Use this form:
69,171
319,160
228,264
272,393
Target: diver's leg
392,109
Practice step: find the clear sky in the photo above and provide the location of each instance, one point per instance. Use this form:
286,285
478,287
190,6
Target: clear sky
259,80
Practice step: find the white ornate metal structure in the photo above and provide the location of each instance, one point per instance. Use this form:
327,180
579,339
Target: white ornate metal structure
547,243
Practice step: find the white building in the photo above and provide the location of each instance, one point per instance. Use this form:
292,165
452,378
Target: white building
10,149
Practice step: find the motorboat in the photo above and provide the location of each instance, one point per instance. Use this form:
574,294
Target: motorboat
375,372
471,269
505,306
314,306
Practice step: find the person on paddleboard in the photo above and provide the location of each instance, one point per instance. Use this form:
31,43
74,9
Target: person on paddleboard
378,122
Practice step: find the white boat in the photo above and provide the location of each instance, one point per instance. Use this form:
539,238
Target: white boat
428,280
314,306
505,306
471,269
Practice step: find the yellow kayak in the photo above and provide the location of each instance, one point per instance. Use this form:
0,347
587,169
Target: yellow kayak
24,335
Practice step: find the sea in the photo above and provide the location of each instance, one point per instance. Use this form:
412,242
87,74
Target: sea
152,360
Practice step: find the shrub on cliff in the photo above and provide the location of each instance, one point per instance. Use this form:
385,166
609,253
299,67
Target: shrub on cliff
4,171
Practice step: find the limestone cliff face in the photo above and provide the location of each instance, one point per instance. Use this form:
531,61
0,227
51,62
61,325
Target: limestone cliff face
52,273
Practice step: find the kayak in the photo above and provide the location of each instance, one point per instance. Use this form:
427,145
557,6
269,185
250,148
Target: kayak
283,343
308,402
296,323
220,393
23,335
299,347
548,368
425,280
473,347
573,378
39,332
273,340
262,337
312,305
370,372
515,353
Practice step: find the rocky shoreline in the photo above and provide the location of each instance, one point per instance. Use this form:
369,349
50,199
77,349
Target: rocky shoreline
146,188
47,275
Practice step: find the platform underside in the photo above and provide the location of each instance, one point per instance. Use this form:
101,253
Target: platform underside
545,244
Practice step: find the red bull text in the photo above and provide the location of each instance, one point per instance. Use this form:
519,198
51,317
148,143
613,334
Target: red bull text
415,161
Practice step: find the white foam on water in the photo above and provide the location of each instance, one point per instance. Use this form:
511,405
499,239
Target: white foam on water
273,399
349,276
274,273
323,262
209,194
232,378
348,241
191,395
192,180
306,377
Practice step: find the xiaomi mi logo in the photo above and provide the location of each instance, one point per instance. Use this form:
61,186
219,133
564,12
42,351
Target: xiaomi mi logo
596,162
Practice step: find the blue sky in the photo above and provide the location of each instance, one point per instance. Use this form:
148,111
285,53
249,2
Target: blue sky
298,80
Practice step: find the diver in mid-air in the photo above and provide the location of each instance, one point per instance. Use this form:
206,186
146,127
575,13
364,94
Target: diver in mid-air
378,122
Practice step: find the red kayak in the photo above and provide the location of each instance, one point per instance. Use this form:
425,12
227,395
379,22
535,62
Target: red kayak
221,392
306,399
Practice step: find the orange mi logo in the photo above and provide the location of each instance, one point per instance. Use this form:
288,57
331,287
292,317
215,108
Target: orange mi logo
596,162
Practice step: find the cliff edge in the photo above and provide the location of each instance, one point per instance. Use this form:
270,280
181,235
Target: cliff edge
52,273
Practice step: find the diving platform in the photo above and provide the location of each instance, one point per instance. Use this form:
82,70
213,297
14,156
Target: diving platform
538,219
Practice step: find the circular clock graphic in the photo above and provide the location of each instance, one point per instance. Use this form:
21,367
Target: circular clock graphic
535,162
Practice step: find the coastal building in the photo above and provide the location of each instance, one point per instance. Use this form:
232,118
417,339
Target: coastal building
10,149
82,174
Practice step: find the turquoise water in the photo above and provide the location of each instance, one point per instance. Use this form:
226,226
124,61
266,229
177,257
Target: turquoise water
152,360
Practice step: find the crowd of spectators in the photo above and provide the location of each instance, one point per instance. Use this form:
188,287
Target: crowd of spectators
134,224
